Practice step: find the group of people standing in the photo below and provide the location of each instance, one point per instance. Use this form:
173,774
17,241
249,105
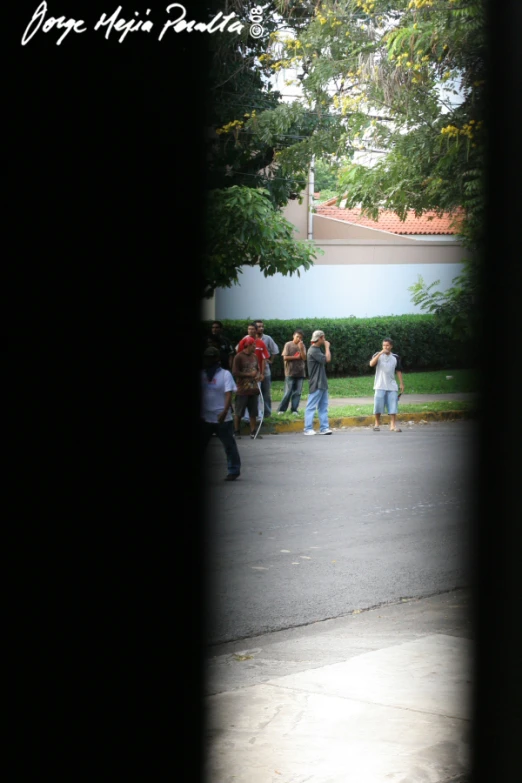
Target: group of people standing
246,371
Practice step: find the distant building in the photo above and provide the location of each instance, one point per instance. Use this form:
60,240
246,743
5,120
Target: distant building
365,271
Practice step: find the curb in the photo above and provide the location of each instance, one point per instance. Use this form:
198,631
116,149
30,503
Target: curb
267,428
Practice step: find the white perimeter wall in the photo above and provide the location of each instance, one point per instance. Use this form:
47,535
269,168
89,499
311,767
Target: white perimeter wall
332,291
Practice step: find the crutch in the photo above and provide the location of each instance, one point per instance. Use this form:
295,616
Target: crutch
262,410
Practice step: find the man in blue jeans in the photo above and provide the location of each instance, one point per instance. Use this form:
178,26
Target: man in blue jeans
266,383
318,384
217,386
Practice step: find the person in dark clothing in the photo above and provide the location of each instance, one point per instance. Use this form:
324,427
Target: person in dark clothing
226,349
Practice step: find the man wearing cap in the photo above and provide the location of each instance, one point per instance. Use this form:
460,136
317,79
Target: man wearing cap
318,384
217,386
247,375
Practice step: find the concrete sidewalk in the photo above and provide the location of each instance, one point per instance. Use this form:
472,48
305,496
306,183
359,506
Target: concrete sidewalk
413,399
378,696
276,424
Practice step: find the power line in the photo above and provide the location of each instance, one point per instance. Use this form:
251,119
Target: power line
279,135
264,176
311,136
268,178
309,112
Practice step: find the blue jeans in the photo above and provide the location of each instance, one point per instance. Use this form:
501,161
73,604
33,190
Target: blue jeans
385,399
317,399
266,391
225,433
293,390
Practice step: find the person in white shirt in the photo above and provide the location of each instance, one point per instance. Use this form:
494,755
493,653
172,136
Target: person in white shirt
385,386
217,386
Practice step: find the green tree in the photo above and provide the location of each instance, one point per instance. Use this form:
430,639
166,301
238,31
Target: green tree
455,309
326,175
372,74
247,186
245,229
240,90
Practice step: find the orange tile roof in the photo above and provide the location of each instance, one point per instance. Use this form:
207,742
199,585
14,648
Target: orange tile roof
428,223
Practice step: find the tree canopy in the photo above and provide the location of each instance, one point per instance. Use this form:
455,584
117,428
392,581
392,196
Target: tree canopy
403,80
241,90
247,187
245,229
373,74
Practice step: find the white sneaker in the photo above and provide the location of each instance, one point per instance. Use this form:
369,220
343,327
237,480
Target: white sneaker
295,413
325,432
309,432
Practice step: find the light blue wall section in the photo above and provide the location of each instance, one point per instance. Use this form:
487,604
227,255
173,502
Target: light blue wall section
333,291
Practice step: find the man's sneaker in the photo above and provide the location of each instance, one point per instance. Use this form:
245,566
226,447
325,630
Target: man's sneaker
325,432
237,434
295,413
281,413
232,477
309,432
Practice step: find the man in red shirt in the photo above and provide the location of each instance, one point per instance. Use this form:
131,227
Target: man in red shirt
262,355
261,349
245,370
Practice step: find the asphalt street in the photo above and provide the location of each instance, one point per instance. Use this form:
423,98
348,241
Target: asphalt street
317,528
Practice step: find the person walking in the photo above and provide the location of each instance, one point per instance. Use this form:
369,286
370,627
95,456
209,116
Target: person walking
217,386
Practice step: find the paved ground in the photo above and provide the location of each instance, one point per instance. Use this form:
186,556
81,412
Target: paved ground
329,527
318,527
381,696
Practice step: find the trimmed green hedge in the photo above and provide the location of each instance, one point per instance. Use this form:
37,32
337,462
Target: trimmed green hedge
354,340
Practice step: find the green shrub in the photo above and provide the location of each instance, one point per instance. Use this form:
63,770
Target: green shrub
416,338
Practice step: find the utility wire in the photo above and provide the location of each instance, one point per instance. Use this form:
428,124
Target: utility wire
309,112
291,136
264,176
